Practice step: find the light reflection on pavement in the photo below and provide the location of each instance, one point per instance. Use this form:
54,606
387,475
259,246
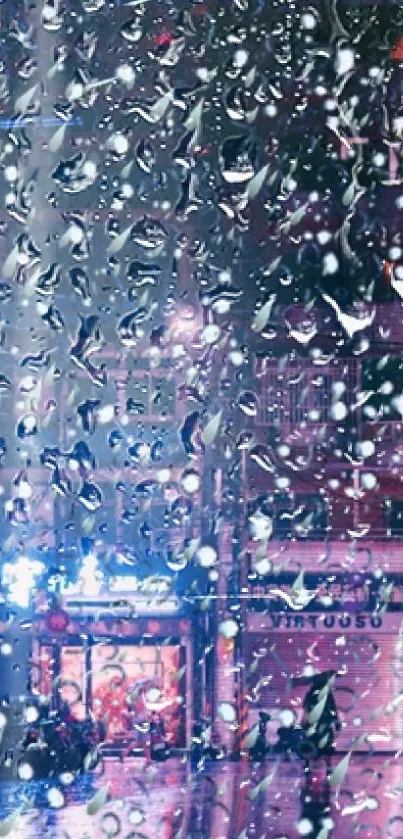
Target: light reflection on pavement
226,801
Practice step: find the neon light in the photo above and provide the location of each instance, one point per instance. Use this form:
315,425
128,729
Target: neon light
20,577
91,578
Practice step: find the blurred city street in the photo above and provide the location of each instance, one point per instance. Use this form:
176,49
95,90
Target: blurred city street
201,434
224,802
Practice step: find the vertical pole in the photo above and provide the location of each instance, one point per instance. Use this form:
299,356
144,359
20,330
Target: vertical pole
15,676
244,592
57,658
225,685
198,666
356,509
208,618
393,160
88,678
183,687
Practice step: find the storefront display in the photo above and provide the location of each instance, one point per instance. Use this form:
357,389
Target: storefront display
101,674
367,658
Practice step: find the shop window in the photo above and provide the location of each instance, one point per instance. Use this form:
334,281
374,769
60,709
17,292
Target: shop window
310,517
292,517
138,397
162,401
42,669
278,509
394,516
72,685
117,673
384,377
302,393
151,396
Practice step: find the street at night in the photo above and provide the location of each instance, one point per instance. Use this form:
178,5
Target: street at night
222,802
201,419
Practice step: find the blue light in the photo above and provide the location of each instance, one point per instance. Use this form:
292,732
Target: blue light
48,122
19,578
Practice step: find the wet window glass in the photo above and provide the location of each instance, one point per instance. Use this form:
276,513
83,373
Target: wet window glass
201,405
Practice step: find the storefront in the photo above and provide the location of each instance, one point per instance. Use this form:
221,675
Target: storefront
106,652
366,650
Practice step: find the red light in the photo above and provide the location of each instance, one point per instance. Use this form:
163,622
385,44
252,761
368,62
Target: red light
164,39
57,621
388,269
397,52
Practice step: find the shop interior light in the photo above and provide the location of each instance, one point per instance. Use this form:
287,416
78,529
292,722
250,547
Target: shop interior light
124,584
91,579
19,579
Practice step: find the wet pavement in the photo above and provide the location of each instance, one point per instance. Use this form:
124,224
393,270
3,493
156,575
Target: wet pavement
225,801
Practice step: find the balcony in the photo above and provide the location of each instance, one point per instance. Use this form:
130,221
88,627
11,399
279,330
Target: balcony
304,405
303,394
289,517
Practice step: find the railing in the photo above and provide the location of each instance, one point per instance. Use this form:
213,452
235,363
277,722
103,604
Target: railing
301,398
305,393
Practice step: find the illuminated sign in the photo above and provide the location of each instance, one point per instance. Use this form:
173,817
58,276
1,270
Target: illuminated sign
320,622
128,596
341,623
130,607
